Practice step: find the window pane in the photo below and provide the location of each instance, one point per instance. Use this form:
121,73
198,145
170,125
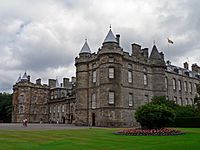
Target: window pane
94,76
111,98
130,99
93,101
145,79
111,73
129,76
174,84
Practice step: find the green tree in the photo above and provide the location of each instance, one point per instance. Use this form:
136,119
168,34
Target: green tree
161,100
154,116
197,98
5,107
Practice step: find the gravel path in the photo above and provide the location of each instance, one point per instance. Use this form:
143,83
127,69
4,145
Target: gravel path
32,126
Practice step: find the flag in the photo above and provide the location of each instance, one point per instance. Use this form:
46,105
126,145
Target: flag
170,41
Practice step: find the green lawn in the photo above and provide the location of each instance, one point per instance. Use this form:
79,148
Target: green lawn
101,139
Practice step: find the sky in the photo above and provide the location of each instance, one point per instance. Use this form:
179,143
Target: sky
43,37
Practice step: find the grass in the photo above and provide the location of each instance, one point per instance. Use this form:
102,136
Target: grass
100,139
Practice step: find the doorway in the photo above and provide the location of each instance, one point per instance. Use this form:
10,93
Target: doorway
93,119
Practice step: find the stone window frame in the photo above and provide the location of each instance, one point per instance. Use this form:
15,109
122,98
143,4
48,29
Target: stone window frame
146,98
174,84
130,76
21,109
166,82
93,101
111,59
111,72
145,76
175,100
130,99
94,76
190,87
181,101
130,66
187,101
179,85
185,86
111,97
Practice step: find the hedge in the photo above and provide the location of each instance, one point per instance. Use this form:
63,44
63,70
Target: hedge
185,122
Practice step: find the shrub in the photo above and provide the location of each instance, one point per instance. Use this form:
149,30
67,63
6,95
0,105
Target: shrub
185,111
154,116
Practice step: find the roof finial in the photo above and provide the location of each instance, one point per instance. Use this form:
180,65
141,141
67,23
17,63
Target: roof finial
86,39
110,26
154,42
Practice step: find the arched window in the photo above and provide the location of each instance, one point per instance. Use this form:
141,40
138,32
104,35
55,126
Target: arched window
21,109
174,84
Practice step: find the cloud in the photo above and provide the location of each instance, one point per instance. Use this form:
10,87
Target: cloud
45,37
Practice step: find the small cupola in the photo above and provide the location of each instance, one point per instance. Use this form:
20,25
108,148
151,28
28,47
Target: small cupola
19,79
25,77
85,49
154,53
110,38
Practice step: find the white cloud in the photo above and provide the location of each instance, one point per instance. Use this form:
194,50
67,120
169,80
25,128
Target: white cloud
44,37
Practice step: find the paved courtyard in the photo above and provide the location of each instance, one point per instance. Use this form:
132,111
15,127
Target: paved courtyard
33,126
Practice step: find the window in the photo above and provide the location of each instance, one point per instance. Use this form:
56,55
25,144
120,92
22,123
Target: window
146,98
54,109
63,108
191,101
94,76
174,84
129,66
185,86
50,109
129,77
187,102
190,87
111,59
130,99
93,101
21,109
180,101
21,98
111,73
111,98
58,108
145,79
166,82
175,100
179,85
195,87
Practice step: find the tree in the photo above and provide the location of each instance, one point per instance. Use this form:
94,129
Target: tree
161,100
154,116
197,98
5,107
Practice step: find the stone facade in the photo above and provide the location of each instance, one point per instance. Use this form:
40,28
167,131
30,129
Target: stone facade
112,83
43,103
108,87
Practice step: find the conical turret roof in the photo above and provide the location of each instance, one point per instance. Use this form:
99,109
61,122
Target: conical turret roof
85,48
24,77
154,53
19,79
110,38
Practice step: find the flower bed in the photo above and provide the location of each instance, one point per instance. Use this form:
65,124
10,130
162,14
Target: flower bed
150,132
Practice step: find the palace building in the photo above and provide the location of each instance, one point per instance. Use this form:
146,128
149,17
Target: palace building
109,85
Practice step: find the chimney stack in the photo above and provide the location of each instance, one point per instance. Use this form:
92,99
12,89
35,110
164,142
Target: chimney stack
118,38
29,78
186,66
38,81
136,49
